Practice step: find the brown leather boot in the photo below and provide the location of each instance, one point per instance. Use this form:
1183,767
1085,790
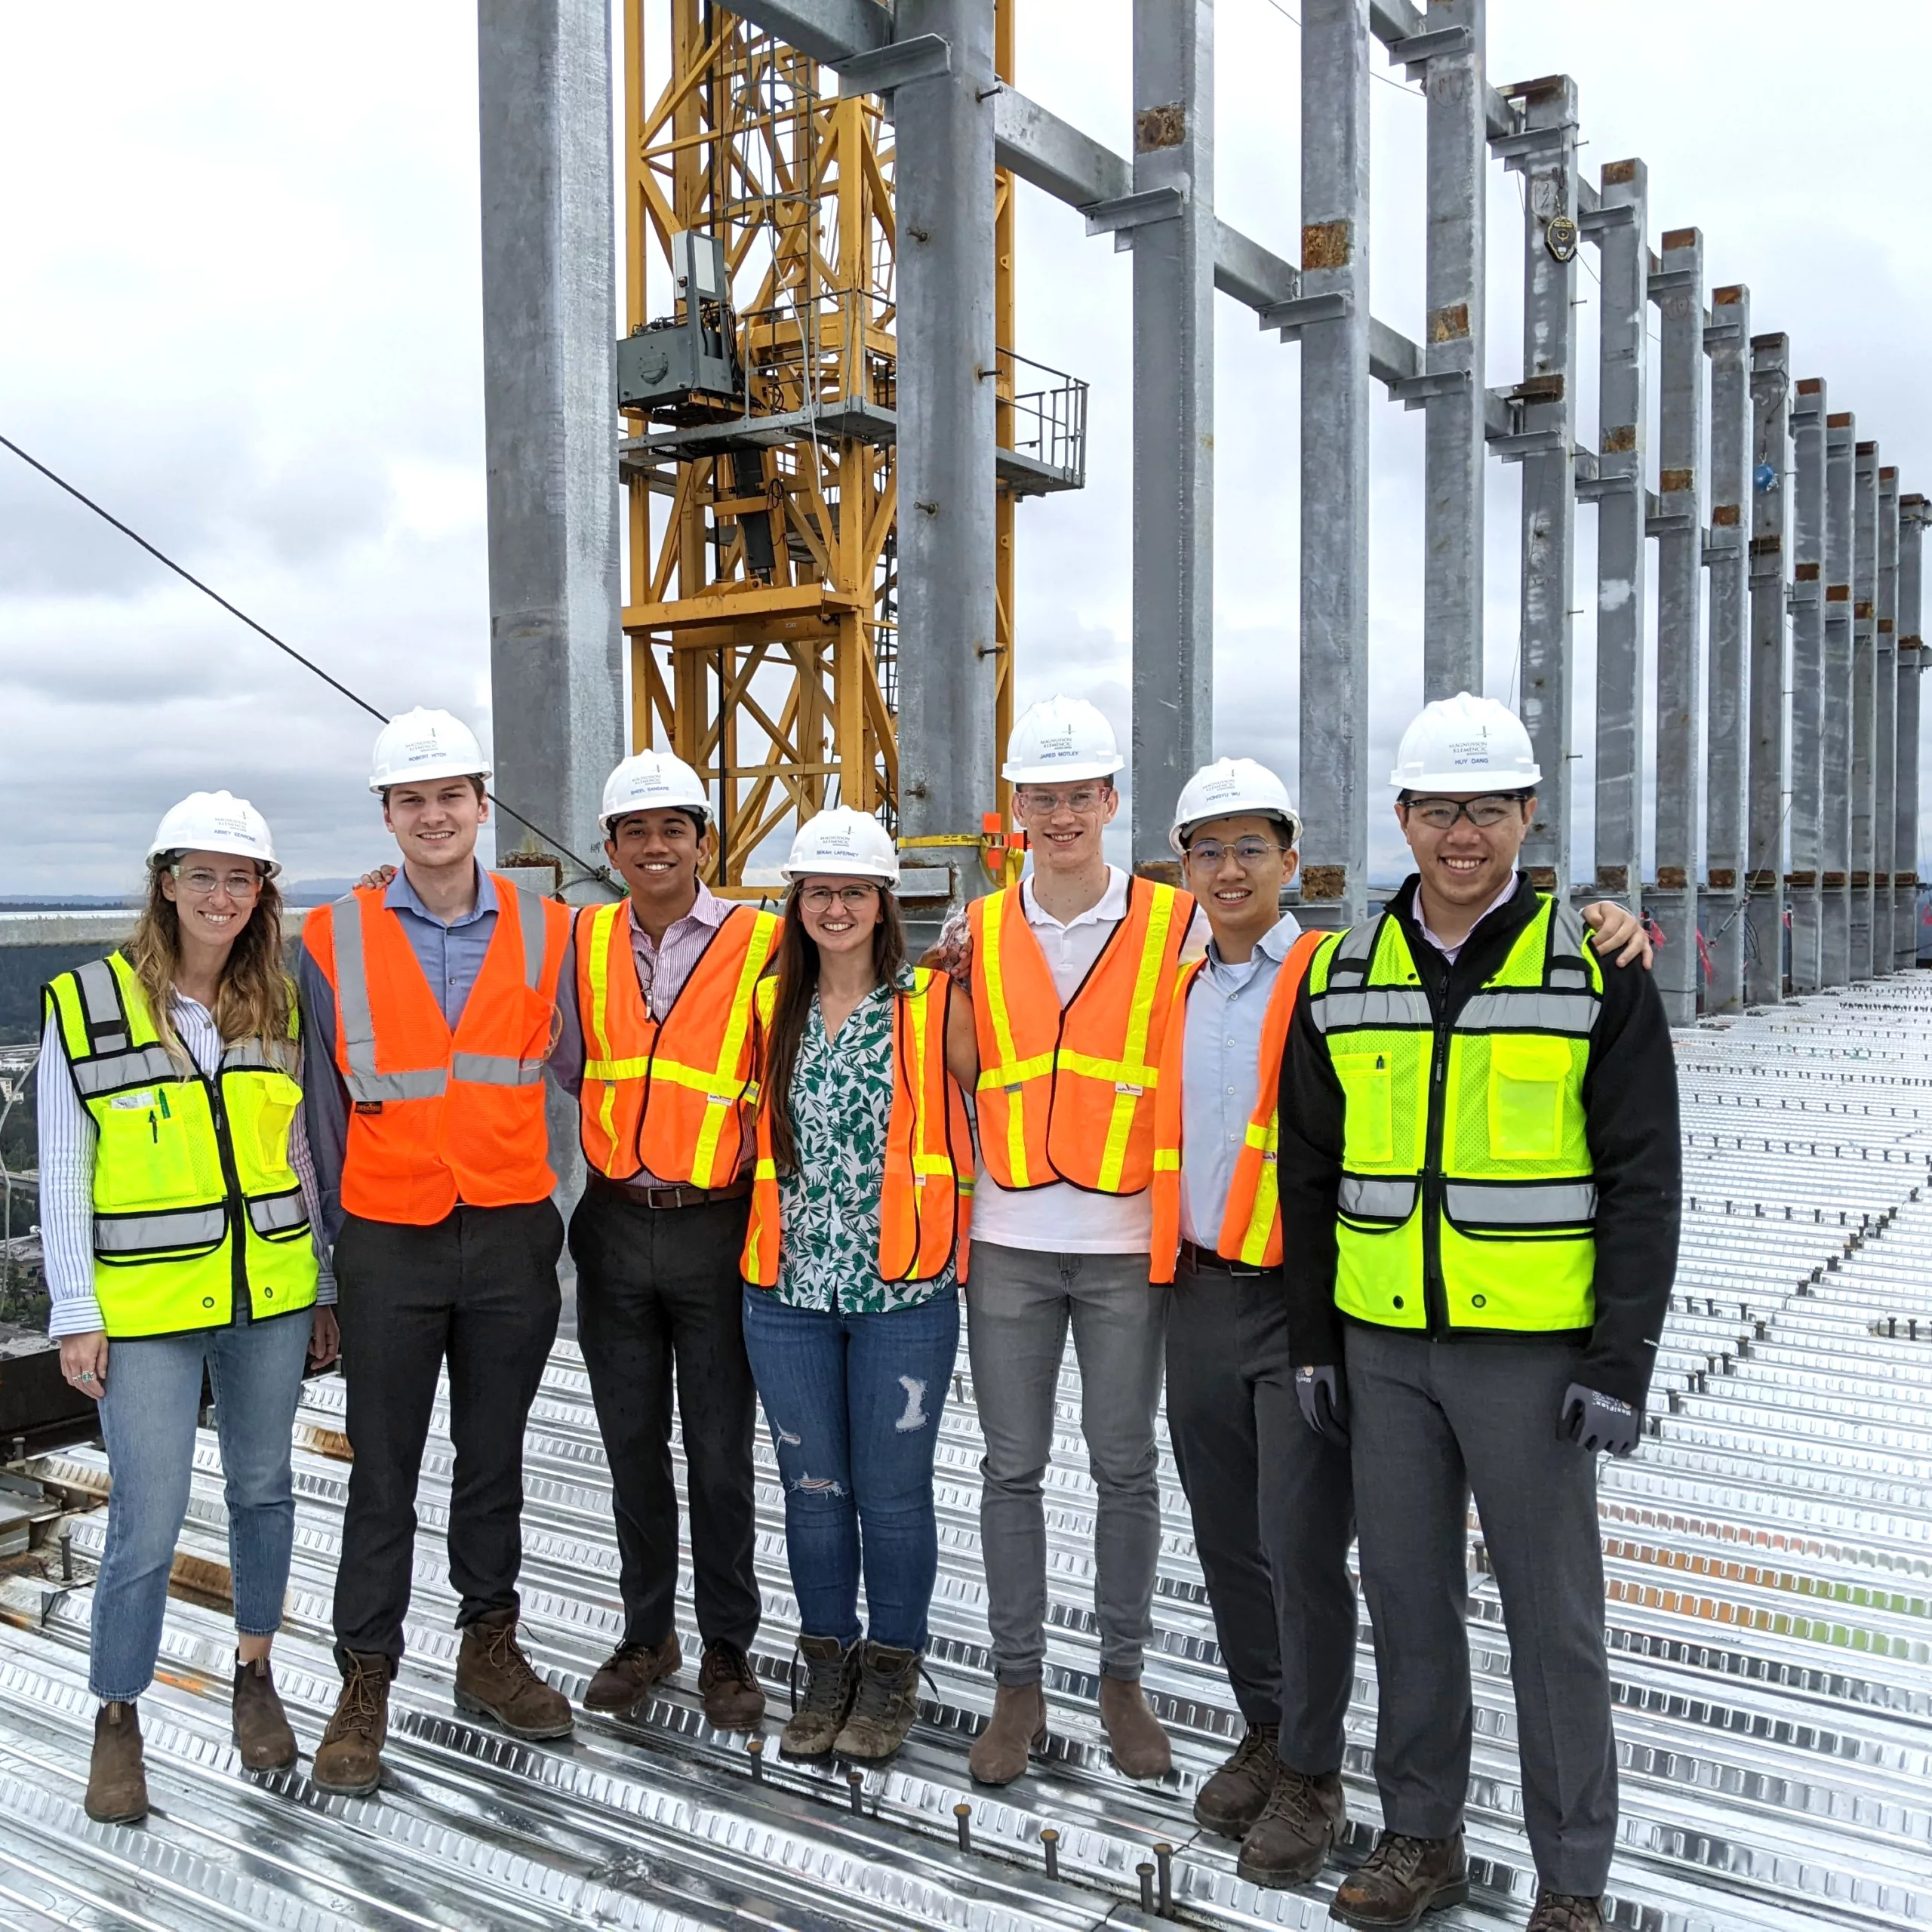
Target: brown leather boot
734,1699
1237,1793
887,1702
349,1759
1566,1912
622,1687
832,1675
117,1785
1290,1842
1403,1878
494,1679
262,1731
1140,1747
1017,1726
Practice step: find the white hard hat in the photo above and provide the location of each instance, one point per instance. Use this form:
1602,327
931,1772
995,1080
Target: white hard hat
1466,744
216,822
1059,739
422,745
845,843
654,782
1226,788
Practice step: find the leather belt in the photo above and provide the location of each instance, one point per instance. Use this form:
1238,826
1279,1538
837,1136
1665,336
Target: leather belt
642,1194
1205,1261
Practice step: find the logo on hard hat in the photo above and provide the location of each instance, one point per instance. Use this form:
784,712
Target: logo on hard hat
1056,747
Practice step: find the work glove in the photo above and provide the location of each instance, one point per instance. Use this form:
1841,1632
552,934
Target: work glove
1323,1397
1598,1421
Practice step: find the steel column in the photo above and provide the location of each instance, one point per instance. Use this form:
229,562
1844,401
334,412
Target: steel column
1864,694
1770,504
1807,685
1621,493
1546,398
1174,414
1836,730
1727,560
948,667
1334,459
549,417
1913,515
1452,350
1678,288
1885,724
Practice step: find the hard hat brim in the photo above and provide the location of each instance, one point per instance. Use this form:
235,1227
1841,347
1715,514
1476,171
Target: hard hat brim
1179,835
453,768
1470,783
1061,774
271,868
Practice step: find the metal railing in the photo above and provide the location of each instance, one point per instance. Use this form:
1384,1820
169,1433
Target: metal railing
1043,415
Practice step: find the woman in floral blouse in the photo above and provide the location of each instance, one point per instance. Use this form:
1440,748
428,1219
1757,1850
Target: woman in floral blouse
852,1263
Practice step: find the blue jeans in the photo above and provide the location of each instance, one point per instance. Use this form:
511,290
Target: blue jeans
149,1408
853,1403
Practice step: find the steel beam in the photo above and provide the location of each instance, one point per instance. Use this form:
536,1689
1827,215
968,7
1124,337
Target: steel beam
1544,153
1173,416
1769,768
1334,460
947,660
1864,698
1621,494
1913,513
1678,288
1885,722
1452,346
1727,564
1807,686
826,29
1835,730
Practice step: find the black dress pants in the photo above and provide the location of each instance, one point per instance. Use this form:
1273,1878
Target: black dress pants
478,1290
658,1293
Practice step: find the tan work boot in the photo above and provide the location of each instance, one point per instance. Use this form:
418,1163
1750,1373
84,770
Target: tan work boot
1237,1793
117,1785
1017,1726
1403,1878
623,1686
832,1675
349,1759
734,1699
887,1702
1140,1747
494,1679
1290,1842
1566,1912
262,1731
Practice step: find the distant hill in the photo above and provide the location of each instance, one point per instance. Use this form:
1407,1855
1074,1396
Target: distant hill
294,892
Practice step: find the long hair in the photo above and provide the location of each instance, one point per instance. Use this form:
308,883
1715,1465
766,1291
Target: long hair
792,1006
254,998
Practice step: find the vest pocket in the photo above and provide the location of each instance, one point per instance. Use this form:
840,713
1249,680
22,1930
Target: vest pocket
151,1152
1368,1086
1528,1080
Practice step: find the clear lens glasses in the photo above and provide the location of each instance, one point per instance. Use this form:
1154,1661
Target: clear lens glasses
204,884
818,898
1208,854
1441,814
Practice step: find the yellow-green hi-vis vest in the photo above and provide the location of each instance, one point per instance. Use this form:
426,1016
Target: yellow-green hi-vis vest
1467,1191
183,1166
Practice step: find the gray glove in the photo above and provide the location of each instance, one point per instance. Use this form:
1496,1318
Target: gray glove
1598,1421
1323,1397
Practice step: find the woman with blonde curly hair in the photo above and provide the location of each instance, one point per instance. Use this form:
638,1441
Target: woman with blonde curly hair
179,1221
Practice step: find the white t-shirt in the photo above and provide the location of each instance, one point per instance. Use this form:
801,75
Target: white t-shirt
1060,1218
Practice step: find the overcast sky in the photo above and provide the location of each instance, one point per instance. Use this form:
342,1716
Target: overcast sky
241,307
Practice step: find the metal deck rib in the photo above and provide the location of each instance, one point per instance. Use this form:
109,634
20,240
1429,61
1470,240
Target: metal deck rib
1769,1561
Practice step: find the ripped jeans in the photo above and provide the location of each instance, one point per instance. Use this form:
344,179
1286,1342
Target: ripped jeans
853,1403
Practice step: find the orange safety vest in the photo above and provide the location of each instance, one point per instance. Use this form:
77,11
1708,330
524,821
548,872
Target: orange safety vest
926,1198
1251,1226
437,1118
668,1096
1064,1093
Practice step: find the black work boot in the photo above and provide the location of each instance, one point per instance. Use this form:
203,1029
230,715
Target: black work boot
117,1783
887,1702
1290,1842
1403,1878
1237,1793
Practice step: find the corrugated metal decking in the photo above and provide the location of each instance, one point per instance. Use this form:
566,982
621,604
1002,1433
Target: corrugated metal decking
1770,1572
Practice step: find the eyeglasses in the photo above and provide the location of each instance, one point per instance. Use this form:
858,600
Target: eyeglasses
1043,804
1246,852
203,884
1441,814
818,898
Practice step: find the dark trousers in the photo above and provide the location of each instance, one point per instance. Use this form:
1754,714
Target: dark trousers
478,1290
1273,1509
1431,1421
658,1290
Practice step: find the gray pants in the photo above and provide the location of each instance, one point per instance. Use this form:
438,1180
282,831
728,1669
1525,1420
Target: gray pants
1274,1512
1019,1305
1431,1421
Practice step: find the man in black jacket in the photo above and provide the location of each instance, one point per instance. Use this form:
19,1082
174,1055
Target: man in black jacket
1480,1176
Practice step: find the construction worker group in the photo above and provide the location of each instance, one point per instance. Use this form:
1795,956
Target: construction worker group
1390,1212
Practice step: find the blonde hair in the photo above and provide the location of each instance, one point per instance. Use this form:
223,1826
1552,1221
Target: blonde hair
255,997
